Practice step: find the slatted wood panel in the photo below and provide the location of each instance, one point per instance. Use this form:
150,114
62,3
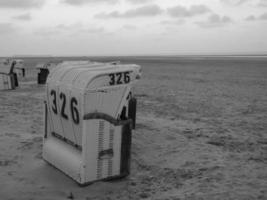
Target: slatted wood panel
5,82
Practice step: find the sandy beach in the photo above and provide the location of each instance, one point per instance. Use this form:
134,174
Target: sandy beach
201,134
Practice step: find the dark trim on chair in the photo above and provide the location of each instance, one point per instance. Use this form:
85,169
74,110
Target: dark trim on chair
107,117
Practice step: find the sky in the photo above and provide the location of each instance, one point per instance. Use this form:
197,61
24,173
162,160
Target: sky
132,27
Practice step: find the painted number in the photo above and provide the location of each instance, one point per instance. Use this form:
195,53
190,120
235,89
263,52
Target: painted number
127,78
74,110
112,79
62,97
73,106
119,78
54,102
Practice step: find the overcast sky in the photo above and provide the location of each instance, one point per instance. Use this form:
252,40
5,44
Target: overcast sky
132,27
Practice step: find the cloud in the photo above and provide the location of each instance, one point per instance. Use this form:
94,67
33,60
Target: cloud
139,1
171,22
24,17
93,30
83,2
79,27
144,11
6,28
46,32
234,2
253,18
215,20
181,11
64,27
70,29
21,4
263,16
250,18
129,27
263,3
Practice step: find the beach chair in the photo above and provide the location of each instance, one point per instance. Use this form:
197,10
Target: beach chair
8,78
87,121
44,69
19,67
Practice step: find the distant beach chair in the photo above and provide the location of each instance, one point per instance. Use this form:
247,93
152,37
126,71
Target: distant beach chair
8,78
43,73
19,67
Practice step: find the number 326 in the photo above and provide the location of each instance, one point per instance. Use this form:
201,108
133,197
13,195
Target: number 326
119,78
73,106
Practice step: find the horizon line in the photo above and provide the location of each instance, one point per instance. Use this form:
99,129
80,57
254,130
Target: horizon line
138,55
